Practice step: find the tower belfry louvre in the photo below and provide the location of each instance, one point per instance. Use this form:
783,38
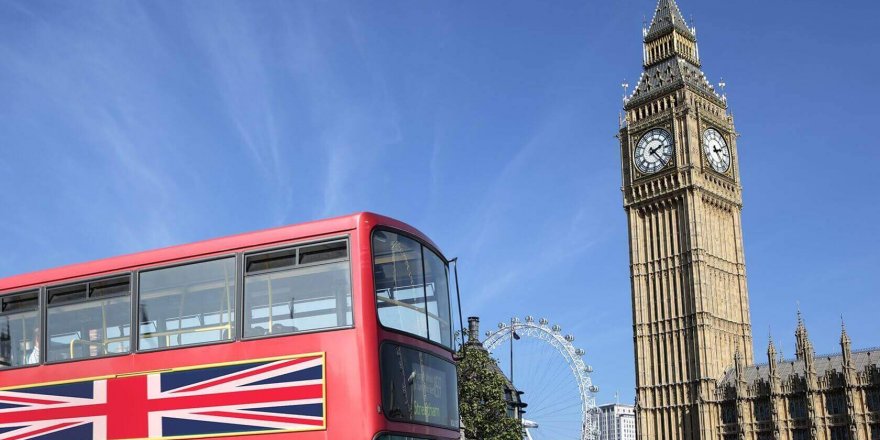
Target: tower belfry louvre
695,373
683,201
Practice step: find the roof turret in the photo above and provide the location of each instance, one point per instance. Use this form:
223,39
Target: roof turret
802,339
667,17
671,59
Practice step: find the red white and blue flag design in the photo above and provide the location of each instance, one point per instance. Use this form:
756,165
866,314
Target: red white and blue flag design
257,396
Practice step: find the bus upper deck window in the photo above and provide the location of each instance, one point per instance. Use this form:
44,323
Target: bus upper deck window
187,304
19,329
412,288
88,319
297,289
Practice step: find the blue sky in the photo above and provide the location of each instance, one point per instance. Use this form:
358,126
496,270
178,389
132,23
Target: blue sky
489,125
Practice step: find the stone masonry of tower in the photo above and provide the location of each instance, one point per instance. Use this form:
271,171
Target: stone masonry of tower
690,303
695,377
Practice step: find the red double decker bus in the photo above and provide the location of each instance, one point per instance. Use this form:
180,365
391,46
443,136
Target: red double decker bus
335,329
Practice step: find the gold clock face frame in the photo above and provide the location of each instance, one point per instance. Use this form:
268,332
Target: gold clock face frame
653,151
716,150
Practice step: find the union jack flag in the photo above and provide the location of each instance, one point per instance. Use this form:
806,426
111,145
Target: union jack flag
256,396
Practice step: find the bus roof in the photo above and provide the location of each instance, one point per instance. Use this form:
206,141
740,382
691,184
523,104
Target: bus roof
265,237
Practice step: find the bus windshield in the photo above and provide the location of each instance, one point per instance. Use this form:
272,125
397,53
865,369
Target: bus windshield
418,387
412,287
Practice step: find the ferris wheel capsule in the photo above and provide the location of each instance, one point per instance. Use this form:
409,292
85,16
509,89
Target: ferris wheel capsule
580,352
556,328
530,319
594,389
588,368
543,321
569,338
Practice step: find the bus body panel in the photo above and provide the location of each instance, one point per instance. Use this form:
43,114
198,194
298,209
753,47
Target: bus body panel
353,395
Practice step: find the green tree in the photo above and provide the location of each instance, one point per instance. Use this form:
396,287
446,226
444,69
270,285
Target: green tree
481,397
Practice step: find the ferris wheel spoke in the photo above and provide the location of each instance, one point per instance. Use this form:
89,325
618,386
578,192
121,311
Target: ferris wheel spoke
552,394
553,377
557,409
552,391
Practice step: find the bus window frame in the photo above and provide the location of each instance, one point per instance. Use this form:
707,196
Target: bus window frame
41,317
307,242
381,384
436,251
197,260
297,245
44,315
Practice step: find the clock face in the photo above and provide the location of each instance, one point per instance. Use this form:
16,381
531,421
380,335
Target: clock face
716,150
653,151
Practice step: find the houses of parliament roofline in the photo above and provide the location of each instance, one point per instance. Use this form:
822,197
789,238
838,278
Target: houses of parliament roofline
811,396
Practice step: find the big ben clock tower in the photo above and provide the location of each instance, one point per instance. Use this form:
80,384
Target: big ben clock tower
683,200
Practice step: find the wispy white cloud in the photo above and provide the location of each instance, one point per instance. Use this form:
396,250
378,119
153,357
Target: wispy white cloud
239,55
353,130
111,168
498,197
545,244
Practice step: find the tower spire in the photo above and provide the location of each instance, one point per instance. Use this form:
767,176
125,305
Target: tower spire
671,58
669,37
667,17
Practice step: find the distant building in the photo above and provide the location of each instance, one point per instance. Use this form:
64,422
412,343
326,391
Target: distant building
617,422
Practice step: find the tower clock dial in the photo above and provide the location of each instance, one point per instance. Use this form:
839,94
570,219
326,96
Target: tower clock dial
716,150
653,151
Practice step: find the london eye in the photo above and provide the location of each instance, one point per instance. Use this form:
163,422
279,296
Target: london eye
544,364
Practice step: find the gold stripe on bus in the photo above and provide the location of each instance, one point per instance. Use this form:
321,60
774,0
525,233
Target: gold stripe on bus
168,370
